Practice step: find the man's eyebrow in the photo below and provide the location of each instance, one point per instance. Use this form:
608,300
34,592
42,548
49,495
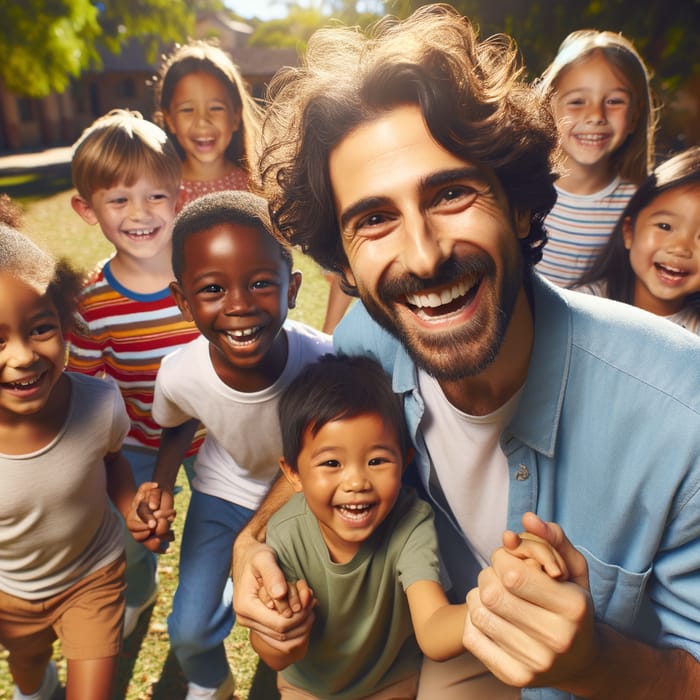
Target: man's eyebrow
437,179
359,207
444,177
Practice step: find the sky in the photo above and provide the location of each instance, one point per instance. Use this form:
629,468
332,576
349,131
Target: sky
262,9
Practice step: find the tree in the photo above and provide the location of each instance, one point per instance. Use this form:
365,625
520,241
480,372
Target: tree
46,43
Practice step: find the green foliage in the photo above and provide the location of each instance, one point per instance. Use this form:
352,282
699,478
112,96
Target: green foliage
46,43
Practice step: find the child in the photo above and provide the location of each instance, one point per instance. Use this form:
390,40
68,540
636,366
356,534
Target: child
598,90
61,544
365,546
235,281
203,104
127,175
652,259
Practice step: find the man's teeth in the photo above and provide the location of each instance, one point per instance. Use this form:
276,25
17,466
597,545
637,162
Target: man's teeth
432,300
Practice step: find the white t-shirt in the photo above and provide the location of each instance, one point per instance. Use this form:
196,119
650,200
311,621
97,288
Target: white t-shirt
472,470
240,455
56,523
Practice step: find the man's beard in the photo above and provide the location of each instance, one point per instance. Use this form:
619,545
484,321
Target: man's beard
462,352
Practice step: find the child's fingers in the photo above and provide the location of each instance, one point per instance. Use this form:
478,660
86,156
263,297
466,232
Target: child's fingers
536,552
147,516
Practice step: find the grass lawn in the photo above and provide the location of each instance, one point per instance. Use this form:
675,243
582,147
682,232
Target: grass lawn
146,670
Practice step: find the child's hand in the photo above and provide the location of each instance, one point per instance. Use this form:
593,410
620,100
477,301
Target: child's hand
150,516
536,552
545,546
299,597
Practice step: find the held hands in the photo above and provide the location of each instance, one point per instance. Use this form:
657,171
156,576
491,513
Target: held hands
263,600
150,517
530,619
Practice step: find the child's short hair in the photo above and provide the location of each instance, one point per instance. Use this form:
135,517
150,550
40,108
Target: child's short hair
238,207
23,259
121,147
337,387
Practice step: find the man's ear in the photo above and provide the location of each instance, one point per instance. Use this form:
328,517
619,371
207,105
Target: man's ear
627,232
291,474
293,290
82,207
181,301
522,221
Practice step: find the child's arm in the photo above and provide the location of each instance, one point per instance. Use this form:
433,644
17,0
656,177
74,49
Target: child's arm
173,446
439,626
273,657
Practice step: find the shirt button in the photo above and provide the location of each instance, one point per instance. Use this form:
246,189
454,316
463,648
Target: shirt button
523,473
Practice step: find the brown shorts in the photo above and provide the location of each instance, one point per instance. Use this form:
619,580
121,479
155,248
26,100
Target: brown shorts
462,678
401,690
87,618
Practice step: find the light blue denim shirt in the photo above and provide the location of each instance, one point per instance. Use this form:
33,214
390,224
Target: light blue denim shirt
605,441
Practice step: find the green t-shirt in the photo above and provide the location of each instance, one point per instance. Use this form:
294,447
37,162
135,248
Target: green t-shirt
362,638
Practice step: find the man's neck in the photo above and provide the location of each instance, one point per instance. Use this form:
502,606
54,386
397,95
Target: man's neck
489,390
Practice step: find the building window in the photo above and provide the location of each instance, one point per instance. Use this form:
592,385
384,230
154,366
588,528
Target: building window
26,109
126,88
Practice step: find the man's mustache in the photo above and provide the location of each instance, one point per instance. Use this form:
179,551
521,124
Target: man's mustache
476,266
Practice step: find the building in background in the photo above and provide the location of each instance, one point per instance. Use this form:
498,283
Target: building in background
125,81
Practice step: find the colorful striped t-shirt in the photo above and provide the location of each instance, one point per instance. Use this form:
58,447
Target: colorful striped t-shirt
578,227
124,335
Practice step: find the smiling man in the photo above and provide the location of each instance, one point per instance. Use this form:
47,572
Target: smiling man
415,163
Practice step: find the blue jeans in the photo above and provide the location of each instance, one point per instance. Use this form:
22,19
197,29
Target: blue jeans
141,564
202,614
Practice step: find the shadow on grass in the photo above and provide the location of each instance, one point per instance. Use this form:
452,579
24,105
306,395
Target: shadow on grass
28,184
171,684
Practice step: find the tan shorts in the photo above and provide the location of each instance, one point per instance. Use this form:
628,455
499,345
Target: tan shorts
401,690
87,618
461,678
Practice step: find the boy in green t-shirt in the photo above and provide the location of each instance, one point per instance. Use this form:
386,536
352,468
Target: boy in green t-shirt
365,545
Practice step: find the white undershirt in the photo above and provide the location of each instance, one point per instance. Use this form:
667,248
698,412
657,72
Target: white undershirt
470,465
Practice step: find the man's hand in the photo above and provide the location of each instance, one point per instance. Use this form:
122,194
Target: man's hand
527,628
255,568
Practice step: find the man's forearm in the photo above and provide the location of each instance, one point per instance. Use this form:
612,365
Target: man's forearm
627,668
256,528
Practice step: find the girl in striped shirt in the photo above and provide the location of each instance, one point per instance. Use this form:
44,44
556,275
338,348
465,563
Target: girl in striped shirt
598,90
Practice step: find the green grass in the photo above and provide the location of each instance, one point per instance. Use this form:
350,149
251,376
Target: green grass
146,669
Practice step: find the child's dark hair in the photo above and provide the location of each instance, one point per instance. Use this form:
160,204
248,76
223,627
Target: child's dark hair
203,57
24,260
237,207
612,265
337,387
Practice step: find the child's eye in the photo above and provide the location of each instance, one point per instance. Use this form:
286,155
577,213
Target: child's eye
44,330
663,226
117,200
377,461
330,463
263,284
159,196
211,289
